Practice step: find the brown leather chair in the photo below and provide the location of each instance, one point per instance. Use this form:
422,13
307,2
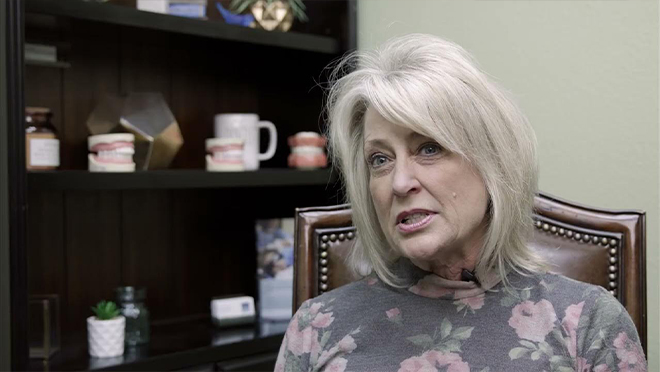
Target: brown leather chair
597,246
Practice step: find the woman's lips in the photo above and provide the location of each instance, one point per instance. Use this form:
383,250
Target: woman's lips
416,226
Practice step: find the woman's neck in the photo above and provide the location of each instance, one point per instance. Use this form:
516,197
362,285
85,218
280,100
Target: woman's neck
451,266
447,268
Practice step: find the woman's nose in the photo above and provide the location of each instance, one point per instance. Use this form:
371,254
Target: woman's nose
405,180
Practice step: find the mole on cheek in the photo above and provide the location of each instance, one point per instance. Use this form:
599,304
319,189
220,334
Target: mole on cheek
453,194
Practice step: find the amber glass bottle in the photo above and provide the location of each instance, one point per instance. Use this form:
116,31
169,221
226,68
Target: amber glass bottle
42,147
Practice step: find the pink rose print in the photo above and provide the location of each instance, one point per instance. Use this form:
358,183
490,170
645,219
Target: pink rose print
326,355
458,367
453,361
428,287
336,365
572,317
570,323
630,354
392,312
394,315
314,309
315,349
300,342
323,320
279,365
430,360
533,321
475,302
417,364
582,365
602,368
372,281
435,356
346,344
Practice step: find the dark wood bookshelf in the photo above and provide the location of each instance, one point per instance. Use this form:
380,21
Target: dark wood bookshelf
127,16
184,233
177,179
176,346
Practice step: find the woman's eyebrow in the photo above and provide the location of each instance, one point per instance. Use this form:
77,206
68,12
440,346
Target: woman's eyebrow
376,142
417,136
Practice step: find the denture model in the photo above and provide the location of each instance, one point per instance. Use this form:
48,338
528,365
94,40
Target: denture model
111,152
307,151
224,154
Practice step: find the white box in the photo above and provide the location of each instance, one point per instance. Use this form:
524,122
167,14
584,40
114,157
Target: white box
156,6
232,311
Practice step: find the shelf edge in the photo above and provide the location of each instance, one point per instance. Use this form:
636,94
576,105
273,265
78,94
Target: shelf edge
126,16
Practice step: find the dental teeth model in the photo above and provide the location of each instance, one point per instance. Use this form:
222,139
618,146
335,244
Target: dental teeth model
224,155
307,151
111,152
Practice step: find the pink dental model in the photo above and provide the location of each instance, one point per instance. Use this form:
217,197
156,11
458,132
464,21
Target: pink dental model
307,151
225,155
111,152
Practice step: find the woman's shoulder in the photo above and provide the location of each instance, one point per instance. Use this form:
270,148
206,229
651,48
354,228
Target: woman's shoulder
355,293
605,334
345,308
591,325
563,294
356,301
557,285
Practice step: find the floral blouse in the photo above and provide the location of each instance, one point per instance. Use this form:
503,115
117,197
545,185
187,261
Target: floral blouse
543,323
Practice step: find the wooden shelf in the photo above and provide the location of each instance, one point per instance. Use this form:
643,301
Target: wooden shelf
58,64
173,347
176,179
126,16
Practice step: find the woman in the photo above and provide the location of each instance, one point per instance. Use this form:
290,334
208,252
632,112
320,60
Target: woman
440,169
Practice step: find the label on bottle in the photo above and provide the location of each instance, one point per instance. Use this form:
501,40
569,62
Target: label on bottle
44,152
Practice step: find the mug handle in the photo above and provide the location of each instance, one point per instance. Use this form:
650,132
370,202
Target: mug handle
272,143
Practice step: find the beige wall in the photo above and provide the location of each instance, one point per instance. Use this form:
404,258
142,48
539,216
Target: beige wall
585,73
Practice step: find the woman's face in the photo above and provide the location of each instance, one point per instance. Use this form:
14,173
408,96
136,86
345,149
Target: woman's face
431,204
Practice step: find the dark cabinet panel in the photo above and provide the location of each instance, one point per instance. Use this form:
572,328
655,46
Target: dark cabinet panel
147,250
94,73
92,231
46,244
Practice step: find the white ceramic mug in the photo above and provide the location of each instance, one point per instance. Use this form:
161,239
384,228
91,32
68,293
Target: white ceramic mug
247,127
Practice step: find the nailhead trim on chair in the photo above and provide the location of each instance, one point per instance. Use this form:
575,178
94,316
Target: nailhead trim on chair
586,238
323,257
544,226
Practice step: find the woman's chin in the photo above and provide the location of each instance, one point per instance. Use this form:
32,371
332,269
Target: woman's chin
420,253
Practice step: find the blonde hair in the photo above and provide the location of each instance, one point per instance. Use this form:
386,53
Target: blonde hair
433,87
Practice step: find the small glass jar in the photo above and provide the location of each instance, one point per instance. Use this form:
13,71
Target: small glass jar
42,147
131,303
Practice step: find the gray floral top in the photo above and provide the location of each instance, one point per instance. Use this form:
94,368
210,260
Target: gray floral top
545,323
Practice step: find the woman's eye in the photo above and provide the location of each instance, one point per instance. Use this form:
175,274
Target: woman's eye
430,149
378,160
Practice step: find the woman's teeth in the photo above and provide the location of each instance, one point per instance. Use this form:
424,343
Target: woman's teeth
413,218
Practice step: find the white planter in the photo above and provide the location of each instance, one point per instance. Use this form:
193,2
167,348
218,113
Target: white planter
105,338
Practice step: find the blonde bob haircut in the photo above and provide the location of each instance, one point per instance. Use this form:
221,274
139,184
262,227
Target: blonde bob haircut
433,87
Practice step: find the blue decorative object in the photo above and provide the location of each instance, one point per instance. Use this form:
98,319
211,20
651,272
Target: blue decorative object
235,19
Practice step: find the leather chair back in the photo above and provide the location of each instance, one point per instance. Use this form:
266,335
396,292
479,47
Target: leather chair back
597,246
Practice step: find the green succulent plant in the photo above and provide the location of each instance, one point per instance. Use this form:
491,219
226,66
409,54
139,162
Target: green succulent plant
106,310
297,7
